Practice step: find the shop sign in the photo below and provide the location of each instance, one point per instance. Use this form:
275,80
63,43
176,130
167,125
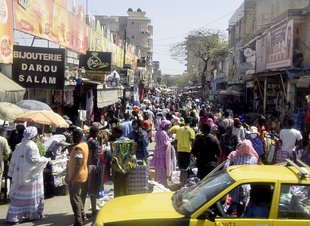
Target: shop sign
280,45
35,67
248,52
261,53
96,62
72,58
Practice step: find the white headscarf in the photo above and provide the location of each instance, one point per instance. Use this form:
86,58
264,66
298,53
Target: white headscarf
30,132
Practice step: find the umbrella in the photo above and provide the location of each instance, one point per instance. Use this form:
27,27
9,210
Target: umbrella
33,105
9,111
43,117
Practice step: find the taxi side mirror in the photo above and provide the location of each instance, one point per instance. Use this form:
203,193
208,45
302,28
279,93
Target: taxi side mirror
208,214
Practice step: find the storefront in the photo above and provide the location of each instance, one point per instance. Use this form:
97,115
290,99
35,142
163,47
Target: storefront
99,88
270,92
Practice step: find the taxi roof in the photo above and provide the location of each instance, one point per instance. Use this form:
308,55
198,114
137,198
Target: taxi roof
261,173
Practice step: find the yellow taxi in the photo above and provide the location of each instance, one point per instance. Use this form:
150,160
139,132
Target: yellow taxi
244,195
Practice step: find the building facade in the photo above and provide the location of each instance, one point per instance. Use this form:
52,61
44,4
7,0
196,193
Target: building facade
137,30
269,56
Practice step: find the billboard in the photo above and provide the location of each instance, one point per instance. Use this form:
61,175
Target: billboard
36,67
280,45
49,20
6,31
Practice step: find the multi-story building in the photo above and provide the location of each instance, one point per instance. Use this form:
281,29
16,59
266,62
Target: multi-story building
270,55
250,28
135,29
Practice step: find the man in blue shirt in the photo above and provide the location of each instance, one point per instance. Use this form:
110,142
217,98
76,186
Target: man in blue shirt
140,136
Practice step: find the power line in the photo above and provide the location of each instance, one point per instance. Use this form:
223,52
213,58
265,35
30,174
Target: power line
213,21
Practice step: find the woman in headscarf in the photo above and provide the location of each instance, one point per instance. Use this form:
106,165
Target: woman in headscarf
27,189
162,160
244,155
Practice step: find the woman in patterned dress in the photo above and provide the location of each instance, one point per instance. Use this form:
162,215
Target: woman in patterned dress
27,189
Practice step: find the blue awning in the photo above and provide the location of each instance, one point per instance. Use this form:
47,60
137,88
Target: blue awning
296,73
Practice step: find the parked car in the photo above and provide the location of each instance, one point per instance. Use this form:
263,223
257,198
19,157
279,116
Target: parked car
241,195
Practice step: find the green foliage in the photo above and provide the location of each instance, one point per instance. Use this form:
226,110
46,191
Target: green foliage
41,148
201,44
177,80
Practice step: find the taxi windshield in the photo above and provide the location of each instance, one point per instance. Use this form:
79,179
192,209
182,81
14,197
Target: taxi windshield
189,200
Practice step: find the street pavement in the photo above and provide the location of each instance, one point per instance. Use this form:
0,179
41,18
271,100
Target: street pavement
58,209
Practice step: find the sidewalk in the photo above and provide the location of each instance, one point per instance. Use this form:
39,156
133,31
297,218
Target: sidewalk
58,209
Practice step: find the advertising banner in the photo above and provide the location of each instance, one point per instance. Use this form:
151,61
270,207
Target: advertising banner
81,40
61,30
6,31
35,67
280,46
51,21
63,3
34,17
261,54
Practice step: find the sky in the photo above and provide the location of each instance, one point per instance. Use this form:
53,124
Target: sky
172,21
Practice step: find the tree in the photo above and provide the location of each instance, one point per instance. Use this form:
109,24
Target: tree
180,81
206,45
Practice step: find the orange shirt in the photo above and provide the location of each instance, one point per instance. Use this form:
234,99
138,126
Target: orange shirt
147,126
79,153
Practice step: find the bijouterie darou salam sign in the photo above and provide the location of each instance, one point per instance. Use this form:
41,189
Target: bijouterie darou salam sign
35,67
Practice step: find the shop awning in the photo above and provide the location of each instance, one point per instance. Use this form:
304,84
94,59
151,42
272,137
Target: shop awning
10,91
106,97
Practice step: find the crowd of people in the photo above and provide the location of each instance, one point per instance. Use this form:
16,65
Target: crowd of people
186,132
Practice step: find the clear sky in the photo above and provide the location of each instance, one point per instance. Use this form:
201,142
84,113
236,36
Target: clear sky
172,21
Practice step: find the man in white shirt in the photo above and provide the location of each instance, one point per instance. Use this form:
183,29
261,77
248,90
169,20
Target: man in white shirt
291,138
227,121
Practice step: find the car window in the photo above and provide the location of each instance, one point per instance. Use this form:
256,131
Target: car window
294,202
246,201
189,200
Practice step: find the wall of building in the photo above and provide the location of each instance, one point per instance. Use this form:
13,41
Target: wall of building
306,41
269,10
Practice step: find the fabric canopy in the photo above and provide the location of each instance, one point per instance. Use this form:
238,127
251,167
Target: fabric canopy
107,97
10,91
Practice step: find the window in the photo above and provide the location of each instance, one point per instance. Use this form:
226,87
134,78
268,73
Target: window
246,201
294,202
187,201
133,37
